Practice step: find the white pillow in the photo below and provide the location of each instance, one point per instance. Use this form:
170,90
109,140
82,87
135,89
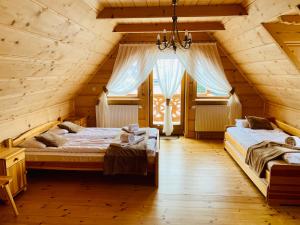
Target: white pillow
58,131
242,123
32,143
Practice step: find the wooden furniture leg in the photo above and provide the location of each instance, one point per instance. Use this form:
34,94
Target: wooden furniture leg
4,184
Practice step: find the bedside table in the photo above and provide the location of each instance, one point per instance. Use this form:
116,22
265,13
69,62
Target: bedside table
12,163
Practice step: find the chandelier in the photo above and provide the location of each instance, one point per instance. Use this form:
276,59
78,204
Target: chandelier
174,39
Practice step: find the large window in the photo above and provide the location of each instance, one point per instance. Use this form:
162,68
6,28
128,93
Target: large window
132,94
203,92
132,69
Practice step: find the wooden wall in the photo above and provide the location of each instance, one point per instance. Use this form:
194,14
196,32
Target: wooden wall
48,50
85,102
264,62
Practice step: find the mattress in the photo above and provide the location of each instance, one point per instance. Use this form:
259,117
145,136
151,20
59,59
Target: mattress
88,145
247,137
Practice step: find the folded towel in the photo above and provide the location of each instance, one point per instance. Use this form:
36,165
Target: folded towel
125,129
293,141
133,141
138,139
133,127
139,132
135,132
127,138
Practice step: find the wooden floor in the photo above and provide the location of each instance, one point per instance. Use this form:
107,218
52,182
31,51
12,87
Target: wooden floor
199,184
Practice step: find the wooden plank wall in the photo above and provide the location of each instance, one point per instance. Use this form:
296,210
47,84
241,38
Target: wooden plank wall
86,100
48,49
261,58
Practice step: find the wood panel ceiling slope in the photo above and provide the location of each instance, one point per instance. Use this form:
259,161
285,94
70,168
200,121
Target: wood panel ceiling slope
48,49
262,60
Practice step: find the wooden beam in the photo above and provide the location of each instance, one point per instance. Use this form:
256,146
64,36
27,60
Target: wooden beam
166,11
294,19
159,27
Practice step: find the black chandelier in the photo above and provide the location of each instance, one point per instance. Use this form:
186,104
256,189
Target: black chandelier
174,39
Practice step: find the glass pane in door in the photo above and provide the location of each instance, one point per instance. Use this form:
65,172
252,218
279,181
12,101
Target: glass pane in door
159,104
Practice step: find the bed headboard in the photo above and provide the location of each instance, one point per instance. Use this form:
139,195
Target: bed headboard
288,128
12,142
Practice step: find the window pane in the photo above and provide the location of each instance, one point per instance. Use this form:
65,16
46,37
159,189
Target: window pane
204,92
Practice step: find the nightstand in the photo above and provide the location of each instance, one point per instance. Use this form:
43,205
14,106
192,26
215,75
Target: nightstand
12,163
79,120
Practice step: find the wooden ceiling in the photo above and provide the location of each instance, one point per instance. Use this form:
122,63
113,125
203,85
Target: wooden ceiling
50,48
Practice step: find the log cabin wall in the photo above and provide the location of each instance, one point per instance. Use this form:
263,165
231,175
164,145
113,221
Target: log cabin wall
86,100
48,49
264,62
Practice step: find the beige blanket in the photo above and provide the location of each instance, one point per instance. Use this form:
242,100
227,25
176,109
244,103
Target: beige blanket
260,154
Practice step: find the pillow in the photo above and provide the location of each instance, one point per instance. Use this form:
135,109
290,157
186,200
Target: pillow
32,143
58,131
258,123
51,139
242,123
69,126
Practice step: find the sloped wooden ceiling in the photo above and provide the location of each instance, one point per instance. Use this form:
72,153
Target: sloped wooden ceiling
48,49
265,64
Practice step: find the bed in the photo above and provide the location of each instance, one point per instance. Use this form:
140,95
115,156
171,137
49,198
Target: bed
281,181
84,150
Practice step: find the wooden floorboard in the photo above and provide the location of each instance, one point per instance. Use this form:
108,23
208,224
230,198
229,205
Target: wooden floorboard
199,184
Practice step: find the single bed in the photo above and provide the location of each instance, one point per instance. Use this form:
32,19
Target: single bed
281,182
84,150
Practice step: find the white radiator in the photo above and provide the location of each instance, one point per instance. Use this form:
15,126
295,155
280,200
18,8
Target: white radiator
122,115
211,117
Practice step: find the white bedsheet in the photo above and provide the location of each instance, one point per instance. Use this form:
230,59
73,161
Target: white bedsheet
93,140
248,137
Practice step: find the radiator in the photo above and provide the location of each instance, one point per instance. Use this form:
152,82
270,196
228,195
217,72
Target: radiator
211,118
122,115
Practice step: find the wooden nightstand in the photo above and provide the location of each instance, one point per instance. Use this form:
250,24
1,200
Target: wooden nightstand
12,163
79,120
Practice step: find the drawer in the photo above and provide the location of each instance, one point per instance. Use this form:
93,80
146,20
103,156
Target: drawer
15,159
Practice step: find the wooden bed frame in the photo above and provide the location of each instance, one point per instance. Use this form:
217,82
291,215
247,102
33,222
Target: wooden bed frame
79,166
281,186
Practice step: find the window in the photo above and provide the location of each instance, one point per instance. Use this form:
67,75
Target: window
129,80
203,92
132,94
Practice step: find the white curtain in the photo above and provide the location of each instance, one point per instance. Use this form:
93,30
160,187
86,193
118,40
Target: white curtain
169,71
203,63
132,67
135,62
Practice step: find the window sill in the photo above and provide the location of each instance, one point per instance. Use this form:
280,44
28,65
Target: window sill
211,101
123,101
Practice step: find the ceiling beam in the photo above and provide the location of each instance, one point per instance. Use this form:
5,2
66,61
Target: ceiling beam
159,27
166,11
295,19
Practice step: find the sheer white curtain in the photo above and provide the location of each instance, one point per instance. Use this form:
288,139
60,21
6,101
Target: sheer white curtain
132,67
169,71
203,63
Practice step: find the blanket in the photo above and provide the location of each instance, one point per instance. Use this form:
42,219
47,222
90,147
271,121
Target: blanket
125,158
260,154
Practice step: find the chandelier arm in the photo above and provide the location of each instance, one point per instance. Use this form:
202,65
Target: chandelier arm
174,35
